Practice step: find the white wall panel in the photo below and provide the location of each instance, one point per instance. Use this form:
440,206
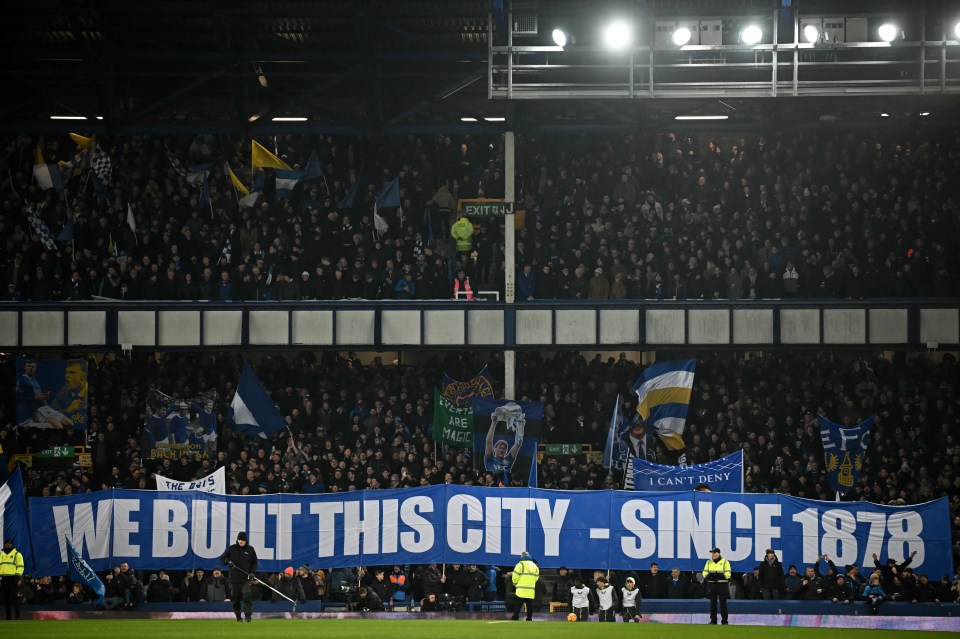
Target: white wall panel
179,328
43,328
576,327
753,326
888,326
312,328
620,327
222,328
709,326
86,328
844,326
355,327
269,327
799,326
939,326
665,327
444,328
485,327
136,328
534,327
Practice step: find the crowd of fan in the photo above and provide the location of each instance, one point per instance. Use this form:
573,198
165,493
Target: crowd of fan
825,214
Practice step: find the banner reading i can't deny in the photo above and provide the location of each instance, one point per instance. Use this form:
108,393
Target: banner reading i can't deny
724,475
619,530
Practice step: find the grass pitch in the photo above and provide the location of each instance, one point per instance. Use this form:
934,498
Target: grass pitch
424,629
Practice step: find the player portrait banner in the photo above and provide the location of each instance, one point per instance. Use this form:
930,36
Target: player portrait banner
724,475
215,482
51,393
177,427
505,439
452,424
619,530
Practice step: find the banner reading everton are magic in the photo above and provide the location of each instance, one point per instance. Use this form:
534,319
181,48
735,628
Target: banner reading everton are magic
505,439
619,530
724,475
51,393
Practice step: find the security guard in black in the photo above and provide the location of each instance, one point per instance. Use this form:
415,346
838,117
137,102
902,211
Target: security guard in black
241,559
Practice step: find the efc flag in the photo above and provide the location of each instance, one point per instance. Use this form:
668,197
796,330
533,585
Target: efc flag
724,475
461,393
843,451
51,393
252,411
13,517
663,396
451,424
596,530
175,428
81,572
506,445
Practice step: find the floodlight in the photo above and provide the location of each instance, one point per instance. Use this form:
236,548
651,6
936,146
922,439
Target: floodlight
884,115
752,34
888,32
811,33
559,37
617,35
956,30
681,36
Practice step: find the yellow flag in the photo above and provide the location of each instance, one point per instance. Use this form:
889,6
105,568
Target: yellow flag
237,184
262,157
81,141
38,158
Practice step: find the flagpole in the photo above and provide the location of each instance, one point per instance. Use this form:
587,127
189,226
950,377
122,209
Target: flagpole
13,188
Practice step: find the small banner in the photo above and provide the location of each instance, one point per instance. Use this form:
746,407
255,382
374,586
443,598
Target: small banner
724,475
451,424
215,483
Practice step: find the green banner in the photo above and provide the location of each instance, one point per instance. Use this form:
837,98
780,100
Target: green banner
563,449
57,452
451,425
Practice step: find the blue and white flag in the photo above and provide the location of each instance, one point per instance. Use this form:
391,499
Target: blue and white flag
198,175
286,182
13,517
80,571
843,452
252,412
663,397
724,475
616,452
48,176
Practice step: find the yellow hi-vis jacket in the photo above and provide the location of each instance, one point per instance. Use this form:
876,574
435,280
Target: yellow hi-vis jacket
722,567
525,576
462,232
11,563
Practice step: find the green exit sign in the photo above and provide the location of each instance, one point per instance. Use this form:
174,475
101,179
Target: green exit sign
57,452
564,449
484,208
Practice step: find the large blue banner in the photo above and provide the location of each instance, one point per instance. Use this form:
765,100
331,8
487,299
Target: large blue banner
13,517
724,475
458,524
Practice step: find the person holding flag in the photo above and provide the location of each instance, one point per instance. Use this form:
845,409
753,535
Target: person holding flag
11,571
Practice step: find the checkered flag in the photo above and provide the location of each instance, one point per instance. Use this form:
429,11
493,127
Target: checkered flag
226,254
102,166
176,163
40,227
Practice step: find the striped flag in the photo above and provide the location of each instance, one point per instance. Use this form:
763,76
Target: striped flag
286,182
663,397
175,162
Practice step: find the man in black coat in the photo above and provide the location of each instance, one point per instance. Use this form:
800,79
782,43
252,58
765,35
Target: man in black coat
477,581
771,576
241,559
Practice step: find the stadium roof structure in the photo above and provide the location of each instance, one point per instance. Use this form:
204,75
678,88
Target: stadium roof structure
387,66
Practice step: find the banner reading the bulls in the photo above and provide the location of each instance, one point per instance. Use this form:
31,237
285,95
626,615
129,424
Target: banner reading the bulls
619,530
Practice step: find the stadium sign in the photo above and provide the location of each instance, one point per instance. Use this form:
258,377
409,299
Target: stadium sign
459,524
484,208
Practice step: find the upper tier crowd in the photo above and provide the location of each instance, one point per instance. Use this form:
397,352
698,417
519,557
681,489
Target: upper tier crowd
825,214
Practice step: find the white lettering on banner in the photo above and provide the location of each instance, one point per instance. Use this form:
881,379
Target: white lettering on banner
905,528
82,532
493,516
458,508
666,528
124,527
326,513
421,539
734,547
764,530
284,513
695,528
388,525
551,523
518,507
839,527
209,531
170,538
256,532
354,526
878,526
630,514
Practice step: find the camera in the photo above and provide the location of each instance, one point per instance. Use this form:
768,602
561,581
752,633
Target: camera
448,603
